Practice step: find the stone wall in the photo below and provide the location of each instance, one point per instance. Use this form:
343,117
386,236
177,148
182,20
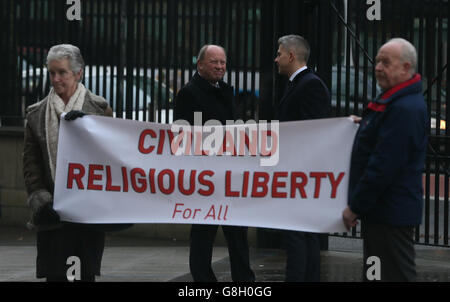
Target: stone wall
13,208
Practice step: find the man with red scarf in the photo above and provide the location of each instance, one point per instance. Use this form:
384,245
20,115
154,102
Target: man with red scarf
388,157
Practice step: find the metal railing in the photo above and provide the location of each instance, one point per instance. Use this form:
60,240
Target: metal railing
140,53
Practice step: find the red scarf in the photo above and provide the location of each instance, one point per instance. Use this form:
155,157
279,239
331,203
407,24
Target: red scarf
386,95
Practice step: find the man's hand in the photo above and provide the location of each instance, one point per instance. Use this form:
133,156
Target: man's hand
349,218
74,114
356,119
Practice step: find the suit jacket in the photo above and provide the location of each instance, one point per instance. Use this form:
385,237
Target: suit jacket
308,98
200,96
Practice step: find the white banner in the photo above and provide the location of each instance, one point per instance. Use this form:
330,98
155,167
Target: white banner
122,171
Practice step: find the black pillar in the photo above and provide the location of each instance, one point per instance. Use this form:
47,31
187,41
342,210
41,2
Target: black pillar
267,55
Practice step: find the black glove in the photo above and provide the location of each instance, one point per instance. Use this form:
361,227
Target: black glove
41,205
73,115
46,215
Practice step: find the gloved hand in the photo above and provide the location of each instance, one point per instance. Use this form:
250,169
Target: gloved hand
42,212
46,215
73,115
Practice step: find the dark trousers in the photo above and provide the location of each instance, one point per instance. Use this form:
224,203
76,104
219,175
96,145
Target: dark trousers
303,256
201,249
54,247
394,247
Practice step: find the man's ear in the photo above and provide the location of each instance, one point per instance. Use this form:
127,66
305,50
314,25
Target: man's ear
406,66
291,56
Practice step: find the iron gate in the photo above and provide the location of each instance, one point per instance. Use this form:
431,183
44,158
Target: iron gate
140,53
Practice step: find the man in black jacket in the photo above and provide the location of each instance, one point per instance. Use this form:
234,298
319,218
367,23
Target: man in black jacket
306,97
209,94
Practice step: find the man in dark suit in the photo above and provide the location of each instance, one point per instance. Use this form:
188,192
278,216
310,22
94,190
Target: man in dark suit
208,94
306,97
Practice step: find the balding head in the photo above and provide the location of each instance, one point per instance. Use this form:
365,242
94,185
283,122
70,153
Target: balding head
211,63
395,63
407,52
202,52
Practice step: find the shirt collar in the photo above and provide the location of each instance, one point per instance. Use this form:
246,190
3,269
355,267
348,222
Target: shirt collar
297,72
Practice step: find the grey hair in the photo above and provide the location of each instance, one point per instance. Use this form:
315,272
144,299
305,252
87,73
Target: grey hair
298,45
202,52
409,53
69,52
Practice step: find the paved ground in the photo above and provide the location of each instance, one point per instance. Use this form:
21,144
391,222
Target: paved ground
143,260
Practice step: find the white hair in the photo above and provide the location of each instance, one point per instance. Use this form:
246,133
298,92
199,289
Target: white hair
69,52
409,53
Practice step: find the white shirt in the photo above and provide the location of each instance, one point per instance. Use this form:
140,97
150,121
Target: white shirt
297,72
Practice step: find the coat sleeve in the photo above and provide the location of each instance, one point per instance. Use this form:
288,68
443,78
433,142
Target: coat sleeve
393,144
33,163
